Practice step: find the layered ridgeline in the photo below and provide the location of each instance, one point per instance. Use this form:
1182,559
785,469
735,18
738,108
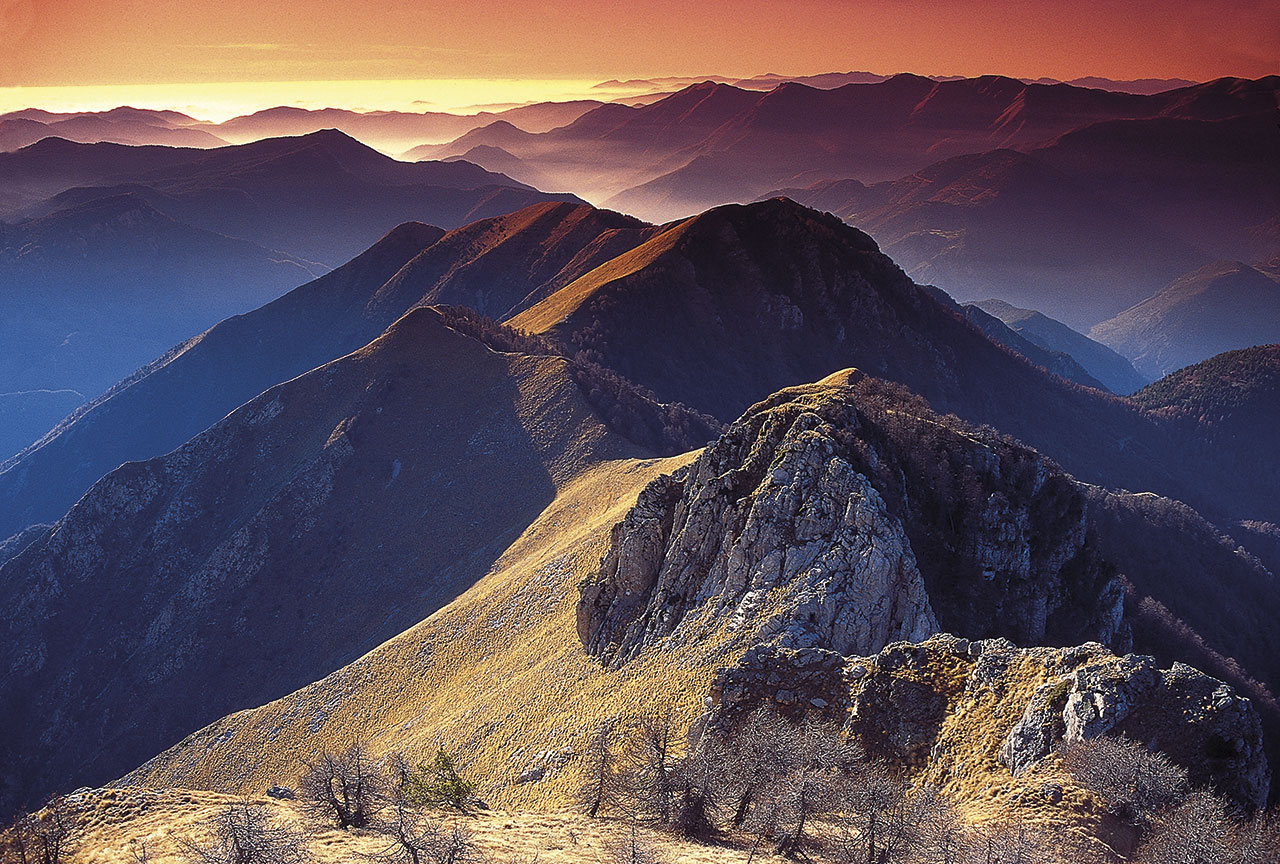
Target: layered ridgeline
111,254
1221,307
323,197
312,523
1112,370
201,380
718,311
711,142
831,520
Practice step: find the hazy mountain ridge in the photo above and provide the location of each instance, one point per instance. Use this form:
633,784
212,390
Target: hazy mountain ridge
91,292
1114,371
200,381
265,535
1221,307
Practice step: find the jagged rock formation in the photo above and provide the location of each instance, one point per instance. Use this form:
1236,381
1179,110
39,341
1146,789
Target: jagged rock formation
846,515
971,712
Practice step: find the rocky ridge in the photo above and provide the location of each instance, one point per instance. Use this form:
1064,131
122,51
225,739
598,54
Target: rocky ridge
845,515
969,713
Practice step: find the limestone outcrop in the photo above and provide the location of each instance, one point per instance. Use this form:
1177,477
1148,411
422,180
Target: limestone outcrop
845,515
970,712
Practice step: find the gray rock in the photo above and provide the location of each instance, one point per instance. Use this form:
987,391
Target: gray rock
801,525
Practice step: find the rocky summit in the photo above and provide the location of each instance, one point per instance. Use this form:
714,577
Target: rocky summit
845,515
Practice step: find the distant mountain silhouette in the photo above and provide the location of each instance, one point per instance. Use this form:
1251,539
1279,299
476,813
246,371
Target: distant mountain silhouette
395,131
1115,372
91,292
1009,225
119,125
323,197
1220,307
1058,362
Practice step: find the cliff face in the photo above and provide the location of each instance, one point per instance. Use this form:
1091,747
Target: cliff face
845,515
985,714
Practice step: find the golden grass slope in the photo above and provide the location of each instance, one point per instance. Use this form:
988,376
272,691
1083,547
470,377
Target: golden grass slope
112,824
498,676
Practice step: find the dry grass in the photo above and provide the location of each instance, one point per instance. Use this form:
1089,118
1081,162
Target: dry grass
112,822
498,676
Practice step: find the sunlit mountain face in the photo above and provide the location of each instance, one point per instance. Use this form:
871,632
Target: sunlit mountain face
638,434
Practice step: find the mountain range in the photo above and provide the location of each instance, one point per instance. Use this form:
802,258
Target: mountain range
1058,198
267,521
937,411
1220,307
115,253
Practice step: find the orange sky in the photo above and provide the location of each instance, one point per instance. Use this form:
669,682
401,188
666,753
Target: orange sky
68,42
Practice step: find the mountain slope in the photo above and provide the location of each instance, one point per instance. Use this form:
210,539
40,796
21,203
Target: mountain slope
459,677
1235,396
324,196
719,310
26,415
490,263
1220,307
1110,368
287,539
91,292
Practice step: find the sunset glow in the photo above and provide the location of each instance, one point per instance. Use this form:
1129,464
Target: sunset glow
556,49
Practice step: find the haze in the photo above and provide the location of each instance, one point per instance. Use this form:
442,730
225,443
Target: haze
74,43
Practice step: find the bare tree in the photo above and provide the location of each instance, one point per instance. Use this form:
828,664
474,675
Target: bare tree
601,785
816,756
1135,782
652,773
700,784
345,788
242,833
757,755
43,837
412,838
883,819
634,849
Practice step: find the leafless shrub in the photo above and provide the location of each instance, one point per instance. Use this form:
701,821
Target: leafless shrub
1134,782
412,838
1257,841
1196,831
43,837
242,833
633,849
344,788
